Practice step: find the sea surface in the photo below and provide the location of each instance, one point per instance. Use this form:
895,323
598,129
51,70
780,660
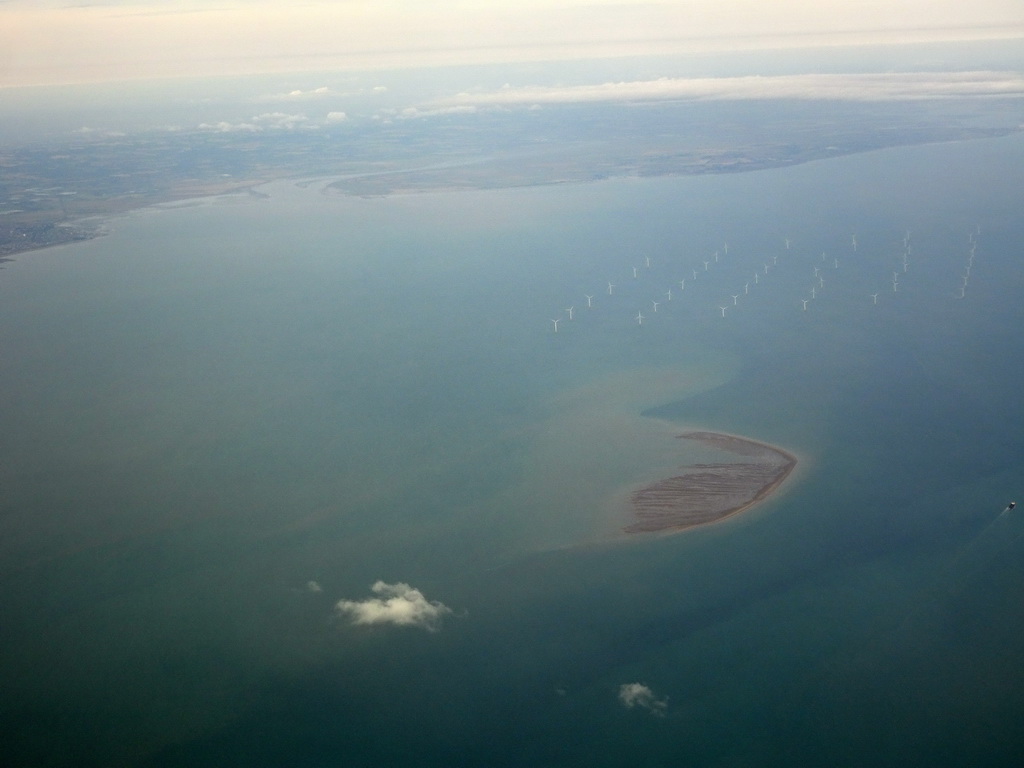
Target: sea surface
225,416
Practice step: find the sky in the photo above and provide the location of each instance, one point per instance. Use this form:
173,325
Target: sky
50,42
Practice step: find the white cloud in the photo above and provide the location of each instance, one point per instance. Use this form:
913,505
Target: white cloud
225,127
268,121
413,113
313,586
845,87
396,604
336,117
634,695
311,94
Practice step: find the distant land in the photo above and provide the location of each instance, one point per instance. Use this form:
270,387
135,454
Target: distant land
60,191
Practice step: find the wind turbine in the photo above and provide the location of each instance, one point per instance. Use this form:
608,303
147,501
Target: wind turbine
682,285
639,319
723,310
556,324
725,247
716,257
805,303
669,294
695,274
647,261
589,300
735,298
655,305
766,268
853,241
634,272
875,297
569,310
814,294
746,288
706,264
788,243
755,278
610,287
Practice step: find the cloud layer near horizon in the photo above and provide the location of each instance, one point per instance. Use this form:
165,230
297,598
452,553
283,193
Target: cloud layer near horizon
397,604
845,87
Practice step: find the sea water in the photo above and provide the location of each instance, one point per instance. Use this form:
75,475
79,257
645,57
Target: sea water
218,403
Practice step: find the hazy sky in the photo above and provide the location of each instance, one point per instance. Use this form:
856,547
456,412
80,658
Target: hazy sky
46,41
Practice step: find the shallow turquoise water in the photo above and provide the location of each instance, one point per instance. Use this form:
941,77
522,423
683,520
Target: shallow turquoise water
216,404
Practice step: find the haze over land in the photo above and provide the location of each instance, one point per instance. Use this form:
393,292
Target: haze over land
71,154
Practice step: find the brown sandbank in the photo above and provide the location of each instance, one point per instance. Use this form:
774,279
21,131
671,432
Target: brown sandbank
708,493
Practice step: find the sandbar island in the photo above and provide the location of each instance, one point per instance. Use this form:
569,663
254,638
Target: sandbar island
709,493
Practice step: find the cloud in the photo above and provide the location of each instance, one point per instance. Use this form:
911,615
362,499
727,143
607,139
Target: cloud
311,94
336,117
634,695
397,604
268,121
845,87
414,113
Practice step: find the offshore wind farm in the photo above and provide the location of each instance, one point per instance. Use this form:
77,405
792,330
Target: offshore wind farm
864,269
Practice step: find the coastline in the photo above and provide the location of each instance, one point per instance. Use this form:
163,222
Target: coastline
705,494
35,232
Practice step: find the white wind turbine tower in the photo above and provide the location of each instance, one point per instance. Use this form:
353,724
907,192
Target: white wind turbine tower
723,310
610,287
669,294
590,299
569,311
735,298
805,303
874,296
556,324
639,319
655,305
